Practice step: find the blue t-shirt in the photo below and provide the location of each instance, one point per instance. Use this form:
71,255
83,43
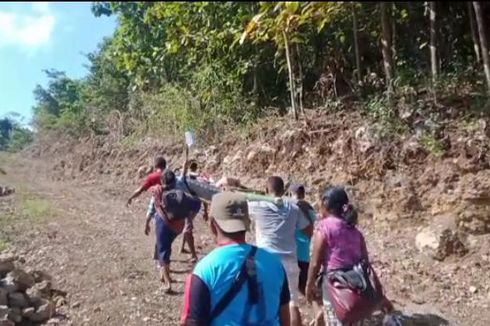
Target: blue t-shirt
212,278
303,241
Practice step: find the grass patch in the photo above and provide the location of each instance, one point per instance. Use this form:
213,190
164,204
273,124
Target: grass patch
20,211
37,210
5,158
433,145
4,243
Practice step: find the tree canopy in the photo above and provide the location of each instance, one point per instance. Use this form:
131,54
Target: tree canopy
174,65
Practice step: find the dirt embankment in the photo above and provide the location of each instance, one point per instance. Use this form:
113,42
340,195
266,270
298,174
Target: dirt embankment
414,177
424,197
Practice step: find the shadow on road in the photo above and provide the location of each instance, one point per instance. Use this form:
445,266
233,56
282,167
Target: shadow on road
407,320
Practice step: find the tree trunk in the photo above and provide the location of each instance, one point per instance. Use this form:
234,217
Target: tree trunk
386,48
433,40
300,80
393,31
474,35
356,44
483,41
292,88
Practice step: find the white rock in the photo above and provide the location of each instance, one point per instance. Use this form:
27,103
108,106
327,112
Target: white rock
251,155
440,239
8,285
28,312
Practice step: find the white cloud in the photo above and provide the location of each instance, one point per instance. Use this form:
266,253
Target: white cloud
27,29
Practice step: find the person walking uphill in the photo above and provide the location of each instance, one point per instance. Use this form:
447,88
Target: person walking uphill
172,207
303,244
236,283
302,240
188,236
151,180
276,225
338,246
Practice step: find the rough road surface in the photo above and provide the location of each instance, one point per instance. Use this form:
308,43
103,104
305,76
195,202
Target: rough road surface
97,252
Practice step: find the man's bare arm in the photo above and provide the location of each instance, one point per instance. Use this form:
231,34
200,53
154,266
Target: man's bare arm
285,315
308,231
135,194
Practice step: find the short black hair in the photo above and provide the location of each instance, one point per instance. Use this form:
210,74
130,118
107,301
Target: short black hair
298,190
169,179
276,185
336,200
193,166
160,163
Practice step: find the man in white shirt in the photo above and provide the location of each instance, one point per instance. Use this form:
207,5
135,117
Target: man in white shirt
276,225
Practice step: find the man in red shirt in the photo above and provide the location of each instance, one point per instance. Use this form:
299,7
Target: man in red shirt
152,179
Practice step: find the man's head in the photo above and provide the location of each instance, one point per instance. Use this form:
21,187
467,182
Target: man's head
193,166
298,191
229,214
160,163
169,180
275,186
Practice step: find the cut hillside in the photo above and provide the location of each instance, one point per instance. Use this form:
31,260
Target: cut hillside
423,196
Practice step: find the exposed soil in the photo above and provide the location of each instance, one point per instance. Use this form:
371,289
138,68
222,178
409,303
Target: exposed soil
97,251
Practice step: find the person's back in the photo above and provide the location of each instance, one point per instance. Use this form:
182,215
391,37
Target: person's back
338,245
303,241
345,243
215,274
236,283
276,226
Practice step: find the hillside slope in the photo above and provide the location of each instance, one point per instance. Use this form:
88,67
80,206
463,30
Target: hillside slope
424,201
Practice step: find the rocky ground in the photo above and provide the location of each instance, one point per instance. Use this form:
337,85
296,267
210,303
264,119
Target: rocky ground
26,298
426,217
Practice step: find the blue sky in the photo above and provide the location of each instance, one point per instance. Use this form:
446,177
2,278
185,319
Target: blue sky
43,35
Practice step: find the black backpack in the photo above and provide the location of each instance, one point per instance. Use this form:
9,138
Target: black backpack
178,204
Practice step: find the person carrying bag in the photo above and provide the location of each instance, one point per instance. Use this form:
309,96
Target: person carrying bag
351,289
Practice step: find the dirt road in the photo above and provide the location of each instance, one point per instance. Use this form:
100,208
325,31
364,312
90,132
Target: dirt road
96,251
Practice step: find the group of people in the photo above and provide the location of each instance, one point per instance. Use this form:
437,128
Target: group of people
244,284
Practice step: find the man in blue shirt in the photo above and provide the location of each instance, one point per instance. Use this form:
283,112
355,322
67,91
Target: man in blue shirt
303,240
263,296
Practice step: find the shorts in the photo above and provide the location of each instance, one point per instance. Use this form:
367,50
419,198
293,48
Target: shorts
165,236
292,273
303,275
329,311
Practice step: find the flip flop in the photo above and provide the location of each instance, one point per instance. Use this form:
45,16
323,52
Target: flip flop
166,290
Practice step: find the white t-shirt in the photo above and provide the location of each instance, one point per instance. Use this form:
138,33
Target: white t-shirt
276,225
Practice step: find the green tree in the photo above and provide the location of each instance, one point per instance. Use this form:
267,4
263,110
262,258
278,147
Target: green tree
13,136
